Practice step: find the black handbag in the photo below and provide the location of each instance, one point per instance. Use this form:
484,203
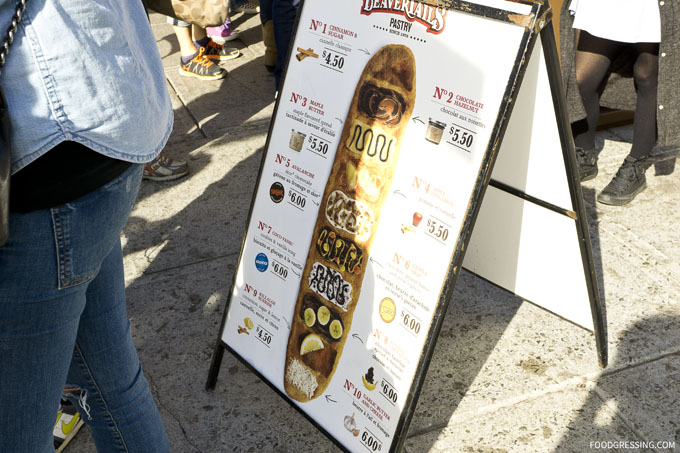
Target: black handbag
5,160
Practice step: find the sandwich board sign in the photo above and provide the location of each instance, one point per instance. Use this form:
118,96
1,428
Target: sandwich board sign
378,164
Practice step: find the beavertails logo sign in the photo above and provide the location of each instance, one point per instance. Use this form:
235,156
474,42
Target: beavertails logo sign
433,17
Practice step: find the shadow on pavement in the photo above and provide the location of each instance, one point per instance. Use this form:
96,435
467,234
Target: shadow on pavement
479,315
629,387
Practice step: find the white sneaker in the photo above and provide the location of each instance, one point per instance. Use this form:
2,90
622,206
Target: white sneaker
163,168
249,7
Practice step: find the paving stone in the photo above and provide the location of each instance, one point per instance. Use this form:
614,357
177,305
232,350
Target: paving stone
177,223
494,347
652,390
564,421
175,319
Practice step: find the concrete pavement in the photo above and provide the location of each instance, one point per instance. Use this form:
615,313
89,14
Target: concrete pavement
506,376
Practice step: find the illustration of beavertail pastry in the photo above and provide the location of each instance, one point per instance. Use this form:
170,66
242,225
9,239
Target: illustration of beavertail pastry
348,218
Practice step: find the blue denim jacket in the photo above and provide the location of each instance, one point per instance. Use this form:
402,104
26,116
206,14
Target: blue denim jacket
87,71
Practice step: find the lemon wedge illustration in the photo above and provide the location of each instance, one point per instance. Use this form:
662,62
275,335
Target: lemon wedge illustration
310,317
249,323
323,314
311,343
335,329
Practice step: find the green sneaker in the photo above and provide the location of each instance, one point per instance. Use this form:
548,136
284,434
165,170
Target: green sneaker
67,425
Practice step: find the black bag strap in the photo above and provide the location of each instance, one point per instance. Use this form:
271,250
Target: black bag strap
5,160
11,30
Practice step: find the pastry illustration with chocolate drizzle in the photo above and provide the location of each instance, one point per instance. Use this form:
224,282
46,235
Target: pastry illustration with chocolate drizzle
345,228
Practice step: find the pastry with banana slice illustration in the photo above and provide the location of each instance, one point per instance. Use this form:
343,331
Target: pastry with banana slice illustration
345,228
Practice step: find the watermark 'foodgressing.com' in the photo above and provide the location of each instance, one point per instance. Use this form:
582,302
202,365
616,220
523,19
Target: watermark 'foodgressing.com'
631,445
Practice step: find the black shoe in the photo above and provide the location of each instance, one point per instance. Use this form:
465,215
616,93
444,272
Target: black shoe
662,153
587,163
626,184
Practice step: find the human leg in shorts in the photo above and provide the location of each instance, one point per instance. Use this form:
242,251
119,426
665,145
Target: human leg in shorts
199,53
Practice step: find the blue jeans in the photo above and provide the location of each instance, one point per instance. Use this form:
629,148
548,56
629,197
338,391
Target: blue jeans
283,13
63,321
265,11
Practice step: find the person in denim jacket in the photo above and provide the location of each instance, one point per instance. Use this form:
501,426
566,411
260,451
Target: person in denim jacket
89,107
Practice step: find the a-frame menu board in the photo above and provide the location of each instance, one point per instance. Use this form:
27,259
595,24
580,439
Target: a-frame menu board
531,236
380,152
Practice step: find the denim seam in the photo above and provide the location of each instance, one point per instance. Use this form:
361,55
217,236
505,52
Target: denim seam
56,221
49,83
62,246
110,417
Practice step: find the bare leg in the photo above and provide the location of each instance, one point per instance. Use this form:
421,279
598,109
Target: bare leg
186,44
198,32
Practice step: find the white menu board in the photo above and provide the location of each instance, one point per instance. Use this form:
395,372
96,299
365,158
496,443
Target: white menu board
381,129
